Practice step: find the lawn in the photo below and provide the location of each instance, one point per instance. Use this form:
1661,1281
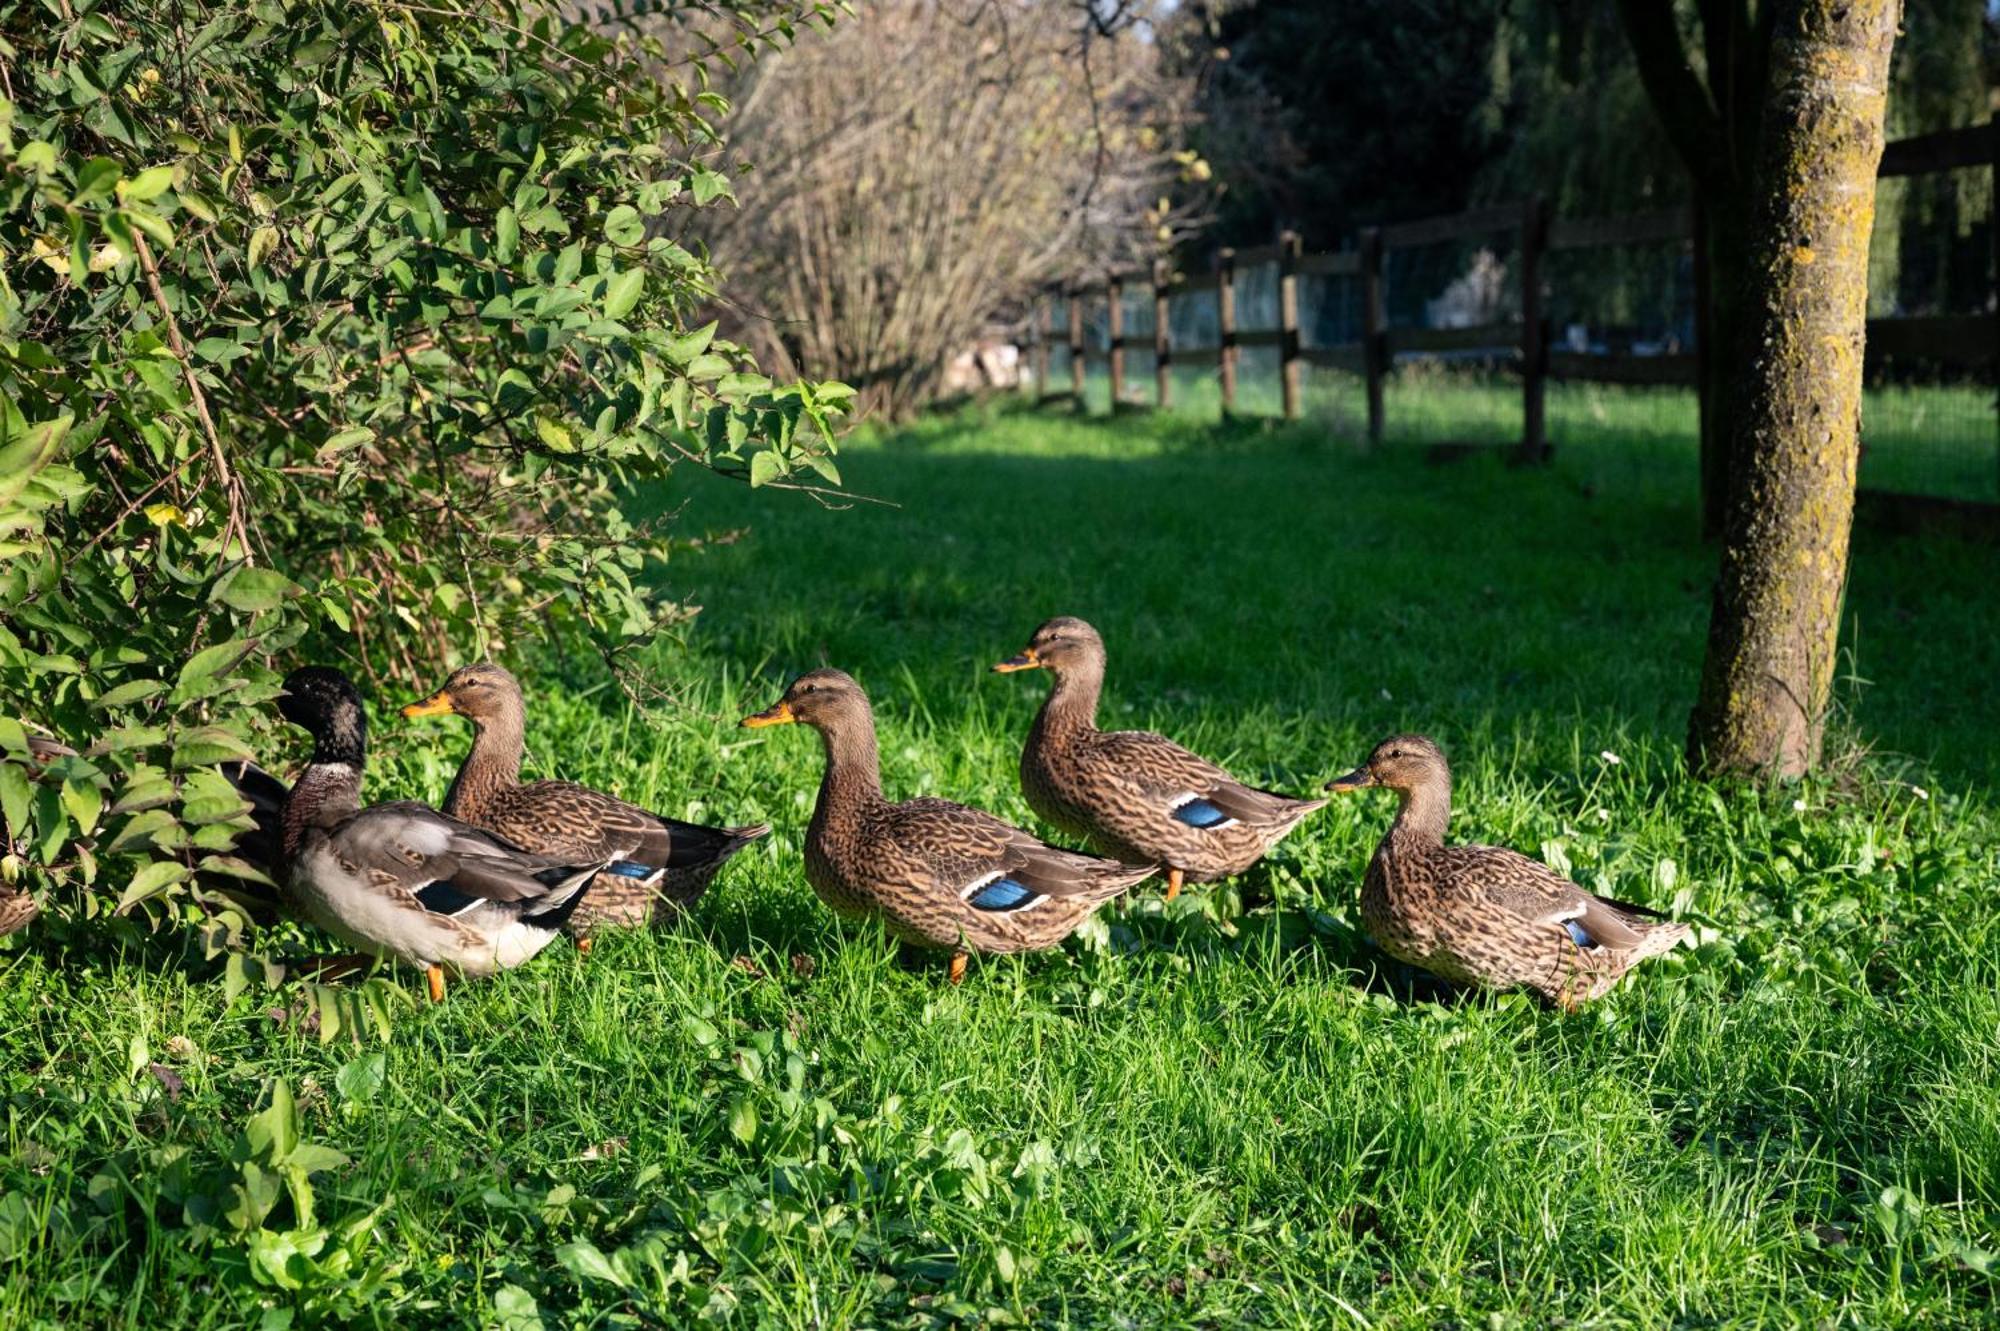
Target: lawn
1228,1111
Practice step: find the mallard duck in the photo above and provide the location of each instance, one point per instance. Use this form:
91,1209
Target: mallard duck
1486,915
1130,793
659,865
939,874
402,879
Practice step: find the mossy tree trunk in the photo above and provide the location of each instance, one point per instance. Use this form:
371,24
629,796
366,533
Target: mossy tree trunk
1795,435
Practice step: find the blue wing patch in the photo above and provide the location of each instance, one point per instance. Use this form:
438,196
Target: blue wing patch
1002,895
630,869
1200,813
1578,935
441,898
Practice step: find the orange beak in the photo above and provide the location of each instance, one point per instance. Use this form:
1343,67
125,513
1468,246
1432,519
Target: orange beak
438,704
778,714
1027,660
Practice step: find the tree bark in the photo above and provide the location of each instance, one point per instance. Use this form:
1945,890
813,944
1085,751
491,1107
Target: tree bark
1775,624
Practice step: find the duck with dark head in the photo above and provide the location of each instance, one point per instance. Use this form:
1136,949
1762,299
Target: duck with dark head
938,874
1486,915
1133,794
401,879
658,866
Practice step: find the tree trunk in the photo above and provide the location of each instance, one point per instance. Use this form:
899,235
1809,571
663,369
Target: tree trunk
1724,237
1775,625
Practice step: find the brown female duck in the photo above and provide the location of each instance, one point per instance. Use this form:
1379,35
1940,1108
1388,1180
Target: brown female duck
1131,793
659,866
1482,914
938,874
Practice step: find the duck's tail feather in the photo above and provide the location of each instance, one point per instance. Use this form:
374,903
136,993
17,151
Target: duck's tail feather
569,884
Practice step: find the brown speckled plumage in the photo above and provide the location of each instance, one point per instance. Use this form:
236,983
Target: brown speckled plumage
1120,789
565,819
1486,915
925,866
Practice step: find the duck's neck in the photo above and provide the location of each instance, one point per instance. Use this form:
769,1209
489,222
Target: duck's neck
493,766
329,789
853,779
1070,709
1421,821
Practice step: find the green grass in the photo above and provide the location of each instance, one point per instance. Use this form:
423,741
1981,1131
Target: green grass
1226,1112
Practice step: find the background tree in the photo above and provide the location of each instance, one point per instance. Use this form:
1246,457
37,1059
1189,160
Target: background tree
1775,626
923,170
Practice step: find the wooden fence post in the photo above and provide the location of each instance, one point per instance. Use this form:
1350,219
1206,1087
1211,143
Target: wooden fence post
1374,330
1076,347
1044,335
1225,316
1534,345
1288,320
1114,289
1163,338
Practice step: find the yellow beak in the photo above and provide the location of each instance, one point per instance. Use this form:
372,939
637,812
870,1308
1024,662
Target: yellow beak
778,714
438,704
1027,660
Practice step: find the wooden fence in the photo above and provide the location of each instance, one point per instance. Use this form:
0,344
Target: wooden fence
1965,342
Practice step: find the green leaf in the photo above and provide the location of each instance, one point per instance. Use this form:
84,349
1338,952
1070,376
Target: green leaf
205,671
506,234
15,799
623,293
743,1120
205,746
584,1259
709,186
262,241
84,801
624,226
554,435
358,1081
765,467
26,453
151,880
131,691
148,184
254,589
275,1131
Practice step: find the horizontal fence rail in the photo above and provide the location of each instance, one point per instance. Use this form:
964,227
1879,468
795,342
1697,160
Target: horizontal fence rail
1522,345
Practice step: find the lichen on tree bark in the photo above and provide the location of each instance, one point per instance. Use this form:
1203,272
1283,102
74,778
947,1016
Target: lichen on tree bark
1775,624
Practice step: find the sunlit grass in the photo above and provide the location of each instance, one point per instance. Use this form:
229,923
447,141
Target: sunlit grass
1224,1112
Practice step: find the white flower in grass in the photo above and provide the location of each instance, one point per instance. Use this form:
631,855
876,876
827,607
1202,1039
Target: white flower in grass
1611,758
1920,792
1603,814
1798,806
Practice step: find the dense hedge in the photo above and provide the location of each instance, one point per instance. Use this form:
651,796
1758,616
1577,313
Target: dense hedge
332,328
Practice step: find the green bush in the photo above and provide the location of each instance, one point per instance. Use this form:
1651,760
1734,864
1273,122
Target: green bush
333,328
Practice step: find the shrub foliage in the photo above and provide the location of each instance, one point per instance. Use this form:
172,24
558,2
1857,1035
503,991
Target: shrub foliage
334,326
